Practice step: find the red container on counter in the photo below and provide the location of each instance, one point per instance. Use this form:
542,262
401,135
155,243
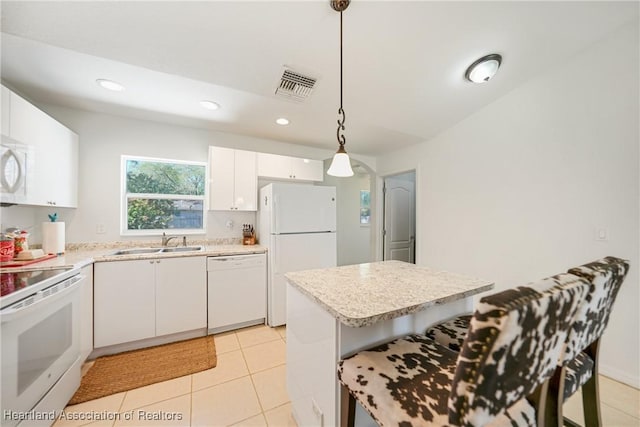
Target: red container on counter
6,249
20,243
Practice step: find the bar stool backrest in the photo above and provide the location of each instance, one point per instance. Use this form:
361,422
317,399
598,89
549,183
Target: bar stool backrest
515,340
605,277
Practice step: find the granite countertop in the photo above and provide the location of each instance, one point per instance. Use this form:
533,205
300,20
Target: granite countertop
89,254
363,294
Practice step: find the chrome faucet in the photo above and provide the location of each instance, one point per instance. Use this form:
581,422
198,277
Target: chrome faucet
166,240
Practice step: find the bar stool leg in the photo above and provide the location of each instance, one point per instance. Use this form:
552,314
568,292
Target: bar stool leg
591,392
347,408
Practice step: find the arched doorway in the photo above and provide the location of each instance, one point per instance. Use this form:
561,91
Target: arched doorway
356,216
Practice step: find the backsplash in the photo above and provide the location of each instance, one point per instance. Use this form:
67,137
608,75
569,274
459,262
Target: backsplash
148,243
222,228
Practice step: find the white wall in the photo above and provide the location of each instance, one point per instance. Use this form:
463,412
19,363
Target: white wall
516,192
354,239
103,139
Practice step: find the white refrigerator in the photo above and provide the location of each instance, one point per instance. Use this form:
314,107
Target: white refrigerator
297,223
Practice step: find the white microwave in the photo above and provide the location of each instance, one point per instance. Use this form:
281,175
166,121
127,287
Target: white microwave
16,160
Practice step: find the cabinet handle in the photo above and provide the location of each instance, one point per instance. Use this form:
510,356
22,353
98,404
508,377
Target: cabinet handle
151,262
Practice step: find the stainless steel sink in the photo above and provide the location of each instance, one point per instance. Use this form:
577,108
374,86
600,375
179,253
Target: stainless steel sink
183,249
137,251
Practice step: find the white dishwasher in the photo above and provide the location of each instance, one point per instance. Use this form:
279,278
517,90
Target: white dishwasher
236,291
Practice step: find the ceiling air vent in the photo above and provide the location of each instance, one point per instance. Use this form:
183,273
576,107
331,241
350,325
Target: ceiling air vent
295,86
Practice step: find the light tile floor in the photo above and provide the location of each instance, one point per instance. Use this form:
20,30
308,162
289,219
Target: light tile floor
248,388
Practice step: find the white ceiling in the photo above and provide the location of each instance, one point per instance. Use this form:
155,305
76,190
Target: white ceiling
403,61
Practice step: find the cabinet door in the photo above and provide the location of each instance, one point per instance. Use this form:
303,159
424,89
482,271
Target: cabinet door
181,294
6,107
274,166
49,163
62,155
246,181
221,178
124,302
306,169
53,167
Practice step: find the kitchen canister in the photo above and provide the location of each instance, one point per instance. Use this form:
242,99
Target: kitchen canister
53,237
6,248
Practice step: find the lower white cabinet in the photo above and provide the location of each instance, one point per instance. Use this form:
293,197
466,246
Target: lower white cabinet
134,300
124,302
181,294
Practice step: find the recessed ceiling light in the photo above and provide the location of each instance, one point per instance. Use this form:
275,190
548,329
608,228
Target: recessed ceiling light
210,105
484,68
282,121
110,85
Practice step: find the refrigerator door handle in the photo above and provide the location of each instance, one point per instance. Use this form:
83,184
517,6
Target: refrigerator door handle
275,216
274,255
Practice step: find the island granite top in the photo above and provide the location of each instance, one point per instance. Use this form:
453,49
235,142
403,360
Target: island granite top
363,294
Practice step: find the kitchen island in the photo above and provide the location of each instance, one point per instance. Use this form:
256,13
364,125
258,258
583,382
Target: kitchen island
335,312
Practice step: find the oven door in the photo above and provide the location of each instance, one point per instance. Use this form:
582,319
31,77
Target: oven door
40,341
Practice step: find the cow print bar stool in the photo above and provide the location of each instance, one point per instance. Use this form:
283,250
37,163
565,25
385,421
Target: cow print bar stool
499,377
580,367
606,277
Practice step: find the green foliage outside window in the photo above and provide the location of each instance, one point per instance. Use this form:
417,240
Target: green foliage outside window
165,178
164,195
365,206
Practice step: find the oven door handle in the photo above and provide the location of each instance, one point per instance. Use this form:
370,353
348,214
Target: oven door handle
17,310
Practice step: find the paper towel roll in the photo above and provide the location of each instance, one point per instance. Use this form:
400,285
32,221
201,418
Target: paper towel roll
53,237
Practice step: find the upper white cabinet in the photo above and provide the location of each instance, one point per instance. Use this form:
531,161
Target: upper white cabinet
51,162
6,100
232,180
289,168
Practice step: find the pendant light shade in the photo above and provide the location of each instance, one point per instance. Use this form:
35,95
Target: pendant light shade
341,164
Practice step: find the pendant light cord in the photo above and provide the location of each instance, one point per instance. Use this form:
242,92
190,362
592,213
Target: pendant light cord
341,138
341,60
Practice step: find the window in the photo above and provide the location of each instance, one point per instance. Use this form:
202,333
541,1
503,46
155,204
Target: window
161,195
365,207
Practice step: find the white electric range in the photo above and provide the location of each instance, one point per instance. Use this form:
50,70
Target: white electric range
40,328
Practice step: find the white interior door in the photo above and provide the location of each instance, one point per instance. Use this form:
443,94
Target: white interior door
399,219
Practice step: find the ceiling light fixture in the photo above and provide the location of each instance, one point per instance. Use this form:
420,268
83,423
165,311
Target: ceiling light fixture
110,85
282,121
209,105
340,165
484,68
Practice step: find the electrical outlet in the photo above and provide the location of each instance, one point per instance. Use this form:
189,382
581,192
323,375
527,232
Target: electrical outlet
318,412
602,235
100,229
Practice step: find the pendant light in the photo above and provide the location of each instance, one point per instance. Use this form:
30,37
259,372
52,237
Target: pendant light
340,165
